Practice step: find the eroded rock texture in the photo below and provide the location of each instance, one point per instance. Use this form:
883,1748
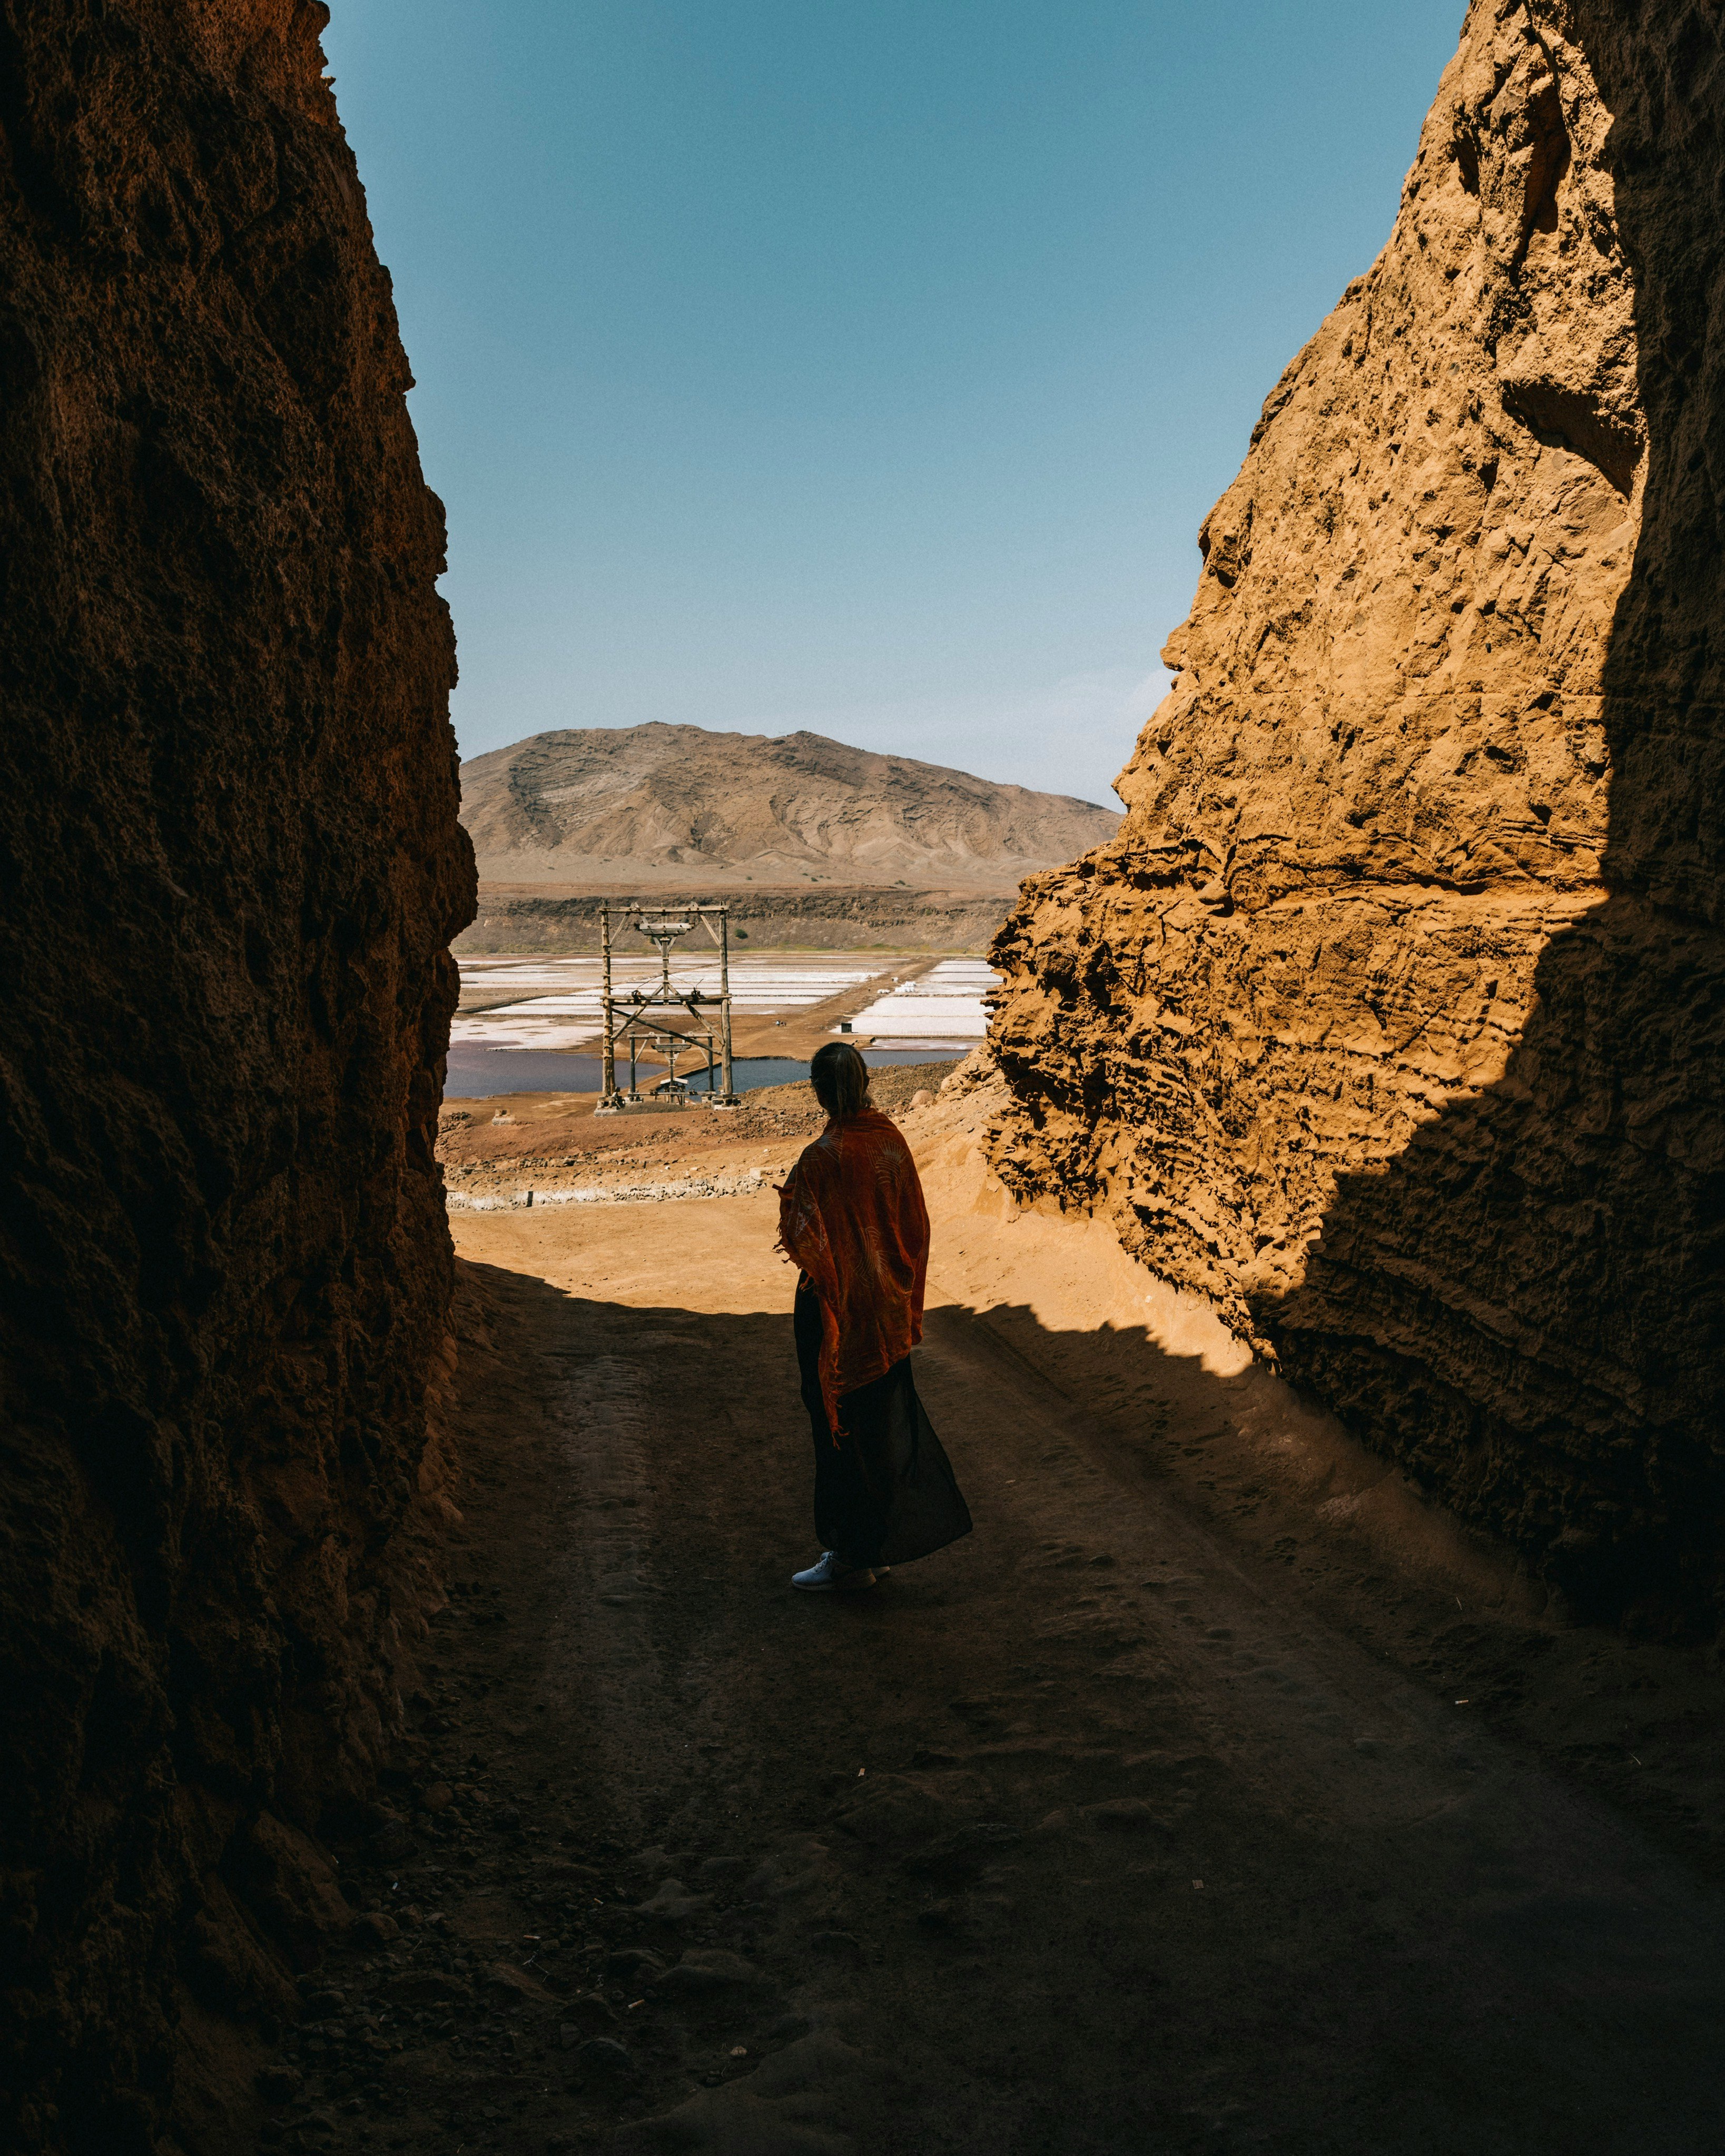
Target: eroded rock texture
231,866
1393,1019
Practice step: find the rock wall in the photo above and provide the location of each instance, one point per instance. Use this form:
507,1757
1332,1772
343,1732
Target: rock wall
231,868
1393,1019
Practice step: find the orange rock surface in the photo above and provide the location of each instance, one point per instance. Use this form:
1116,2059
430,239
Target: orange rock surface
1390,1020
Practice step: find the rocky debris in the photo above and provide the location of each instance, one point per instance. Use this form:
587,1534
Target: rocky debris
612,805
588,2015
796,2104
709,1980
289,1886
430,1987
961,1855
706,1971
744,1185
604,2057
899,1812
504,1981
672,1903
484,1176
1127,1816
233,864
417,2021
1391,1020
842,1947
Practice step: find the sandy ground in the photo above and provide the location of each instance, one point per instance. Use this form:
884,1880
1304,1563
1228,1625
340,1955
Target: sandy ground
1215,1794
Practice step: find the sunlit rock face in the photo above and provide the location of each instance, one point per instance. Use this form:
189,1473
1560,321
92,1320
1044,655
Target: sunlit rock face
1391,1020
231,866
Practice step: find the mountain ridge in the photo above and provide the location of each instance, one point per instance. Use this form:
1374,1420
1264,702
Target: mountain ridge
657,801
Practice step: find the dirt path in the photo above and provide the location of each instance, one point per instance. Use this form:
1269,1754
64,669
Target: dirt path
1129,1823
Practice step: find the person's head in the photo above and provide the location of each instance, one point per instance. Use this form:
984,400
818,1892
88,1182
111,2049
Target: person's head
840,1080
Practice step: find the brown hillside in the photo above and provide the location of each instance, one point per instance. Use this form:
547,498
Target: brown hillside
638,805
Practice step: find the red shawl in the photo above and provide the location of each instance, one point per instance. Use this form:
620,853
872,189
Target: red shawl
851,1214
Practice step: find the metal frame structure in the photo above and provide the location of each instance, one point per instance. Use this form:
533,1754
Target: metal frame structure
663,925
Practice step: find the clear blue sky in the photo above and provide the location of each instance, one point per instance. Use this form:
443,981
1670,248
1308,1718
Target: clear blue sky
861,365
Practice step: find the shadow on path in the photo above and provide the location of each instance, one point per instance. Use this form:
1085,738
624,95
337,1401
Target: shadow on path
1088,1835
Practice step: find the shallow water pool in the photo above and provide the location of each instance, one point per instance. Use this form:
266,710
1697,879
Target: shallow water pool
476,1073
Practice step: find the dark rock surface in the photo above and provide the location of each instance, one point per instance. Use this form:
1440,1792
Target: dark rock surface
232,867
1393,1019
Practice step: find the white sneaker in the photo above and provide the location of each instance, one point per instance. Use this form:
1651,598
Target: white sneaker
832,1572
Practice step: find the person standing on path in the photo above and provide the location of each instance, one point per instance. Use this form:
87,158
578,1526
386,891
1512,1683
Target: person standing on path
851,1217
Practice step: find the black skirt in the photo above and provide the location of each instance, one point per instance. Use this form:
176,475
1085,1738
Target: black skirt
884,1493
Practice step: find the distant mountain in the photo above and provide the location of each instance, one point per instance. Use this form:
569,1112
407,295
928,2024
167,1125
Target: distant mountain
657,804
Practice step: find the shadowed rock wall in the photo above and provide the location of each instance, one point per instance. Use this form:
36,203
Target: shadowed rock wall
1393,1020
231,865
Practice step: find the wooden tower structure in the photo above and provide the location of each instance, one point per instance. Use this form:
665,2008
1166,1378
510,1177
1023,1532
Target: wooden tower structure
662,1015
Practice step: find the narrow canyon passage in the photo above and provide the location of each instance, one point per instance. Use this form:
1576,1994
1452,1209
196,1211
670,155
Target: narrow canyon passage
1090,1834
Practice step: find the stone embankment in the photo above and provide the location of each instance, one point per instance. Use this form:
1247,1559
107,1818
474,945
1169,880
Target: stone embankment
521,917
228,813
1393,1019
622,1192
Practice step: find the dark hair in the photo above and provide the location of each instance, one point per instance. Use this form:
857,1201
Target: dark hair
840,1078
